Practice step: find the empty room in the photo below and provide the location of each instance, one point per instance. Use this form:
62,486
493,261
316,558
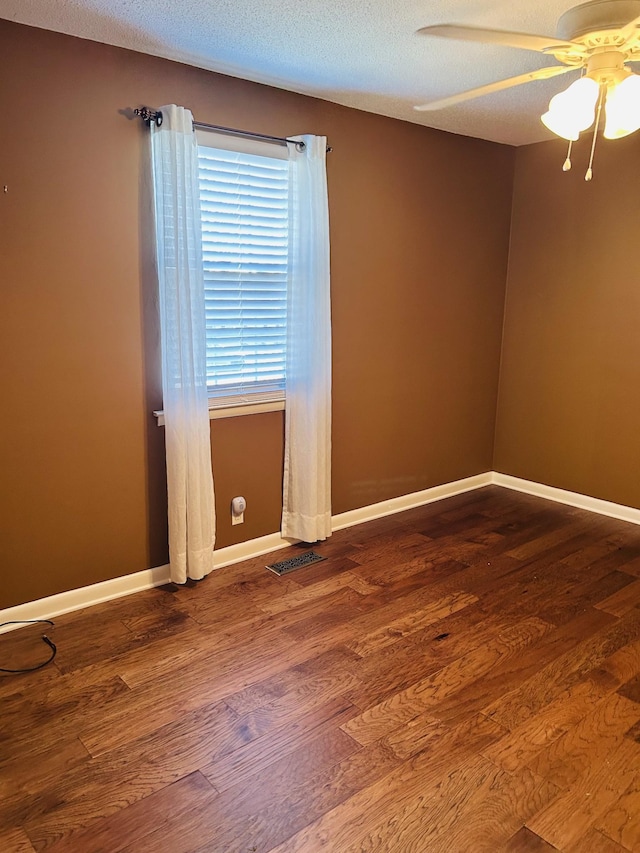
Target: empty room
320,440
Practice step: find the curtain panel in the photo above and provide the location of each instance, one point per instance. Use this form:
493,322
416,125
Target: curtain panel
306,511
191,513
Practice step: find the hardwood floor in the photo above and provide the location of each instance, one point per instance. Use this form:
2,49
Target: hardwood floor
460,677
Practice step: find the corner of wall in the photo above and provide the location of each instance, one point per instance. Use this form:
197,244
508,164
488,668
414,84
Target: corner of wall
504,313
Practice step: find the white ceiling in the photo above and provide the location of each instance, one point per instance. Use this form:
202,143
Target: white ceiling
361,53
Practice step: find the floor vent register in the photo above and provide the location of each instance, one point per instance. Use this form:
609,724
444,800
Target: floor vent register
293,563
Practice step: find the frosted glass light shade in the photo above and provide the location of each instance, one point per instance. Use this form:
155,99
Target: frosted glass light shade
573,110
623,108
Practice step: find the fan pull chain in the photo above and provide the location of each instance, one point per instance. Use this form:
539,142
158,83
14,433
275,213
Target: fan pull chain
589,173
566,166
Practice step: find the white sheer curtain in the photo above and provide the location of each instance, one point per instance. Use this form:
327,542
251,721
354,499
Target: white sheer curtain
306,513
182,326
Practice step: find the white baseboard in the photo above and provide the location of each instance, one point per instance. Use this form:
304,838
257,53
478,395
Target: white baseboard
253,548
426,496
613,510
76,599
87,596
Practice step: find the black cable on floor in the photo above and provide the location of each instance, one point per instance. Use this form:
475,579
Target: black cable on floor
45,639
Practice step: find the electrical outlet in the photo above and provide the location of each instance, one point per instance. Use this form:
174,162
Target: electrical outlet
238,506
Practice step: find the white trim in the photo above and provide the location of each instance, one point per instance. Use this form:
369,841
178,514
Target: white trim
426,496
253,548
211,138
85,596
236,410
246,409
551,493
76,599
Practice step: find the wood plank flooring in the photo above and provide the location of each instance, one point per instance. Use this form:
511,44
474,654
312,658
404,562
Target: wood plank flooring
460,677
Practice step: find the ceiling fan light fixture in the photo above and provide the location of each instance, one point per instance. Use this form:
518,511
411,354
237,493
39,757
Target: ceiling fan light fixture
572,111
622,108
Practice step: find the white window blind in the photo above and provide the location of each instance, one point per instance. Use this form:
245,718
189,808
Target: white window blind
244,210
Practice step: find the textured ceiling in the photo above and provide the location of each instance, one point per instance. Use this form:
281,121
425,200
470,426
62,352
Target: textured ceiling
361,53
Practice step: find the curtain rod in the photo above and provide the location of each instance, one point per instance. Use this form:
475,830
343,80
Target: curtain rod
148,115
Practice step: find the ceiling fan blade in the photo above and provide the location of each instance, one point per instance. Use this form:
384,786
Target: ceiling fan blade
540,74
525,41
631,29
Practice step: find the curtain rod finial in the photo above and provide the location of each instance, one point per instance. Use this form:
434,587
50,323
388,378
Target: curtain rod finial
148,115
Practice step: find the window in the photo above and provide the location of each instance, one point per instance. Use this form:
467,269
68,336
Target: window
244,210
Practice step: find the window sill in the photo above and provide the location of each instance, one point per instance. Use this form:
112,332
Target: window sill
236,410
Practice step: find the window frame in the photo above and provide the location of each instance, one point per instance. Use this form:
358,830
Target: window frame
243,402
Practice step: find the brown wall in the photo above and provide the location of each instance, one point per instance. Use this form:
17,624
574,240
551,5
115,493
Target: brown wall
419,229
569,407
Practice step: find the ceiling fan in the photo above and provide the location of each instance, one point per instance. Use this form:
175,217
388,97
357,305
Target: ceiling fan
598,38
